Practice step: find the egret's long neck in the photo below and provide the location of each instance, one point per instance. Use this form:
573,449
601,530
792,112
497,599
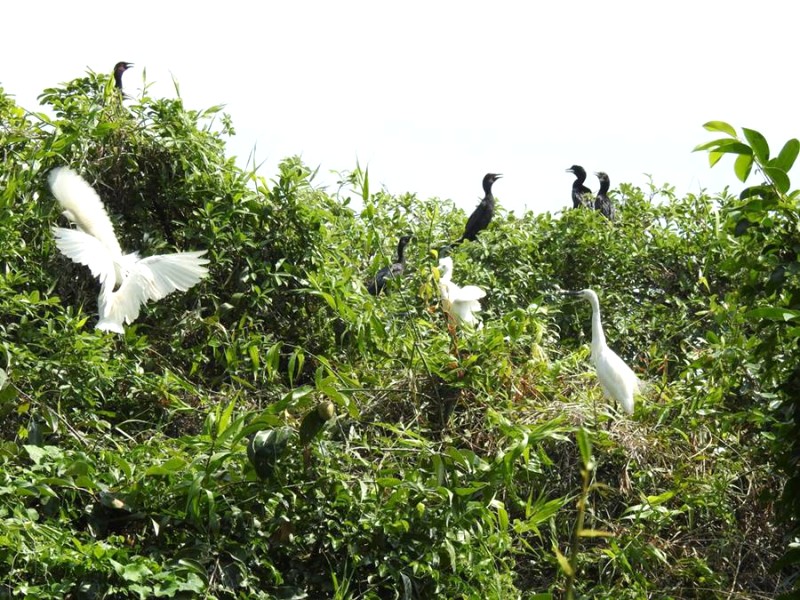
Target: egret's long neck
598,337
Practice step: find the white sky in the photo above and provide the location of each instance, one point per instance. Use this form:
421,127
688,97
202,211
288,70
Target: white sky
432,95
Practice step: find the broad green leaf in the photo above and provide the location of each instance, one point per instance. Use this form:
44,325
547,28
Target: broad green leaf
787,156
714,144
758,143
713,158
661,498
225,419
773,313
311,425
169,467
742,166
735,148
253,352
720,126
266,447
388,481
468,491
779,178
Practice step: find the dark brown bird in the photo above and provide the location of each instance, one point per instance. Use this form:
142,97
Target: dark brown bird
580,193
119,69
376,284
482,215
602,202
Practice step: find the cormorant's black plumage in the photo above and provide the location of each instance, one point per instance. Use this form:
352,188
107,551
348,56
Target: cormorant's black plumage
376,284
119,69
580,193
602,202
482,215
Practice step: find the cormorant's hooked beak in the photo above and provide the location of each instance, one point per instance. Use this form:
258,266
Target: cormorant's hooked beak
498,175
569,171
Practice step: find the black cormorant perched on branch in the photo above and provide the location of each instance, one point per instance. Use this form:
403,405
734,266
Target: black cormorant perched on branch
482,215
580,193
119,69
376,284
602,202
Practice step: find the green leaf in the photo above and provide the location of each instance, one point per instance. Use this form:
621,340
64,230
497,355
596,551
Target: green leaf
225,419
713,144
585,446
758,143
720,126
311,425
742,166
779,178
266,447
591,533
563,562
661,498
170,467
713,158
773,313
388,481
787,156
735,148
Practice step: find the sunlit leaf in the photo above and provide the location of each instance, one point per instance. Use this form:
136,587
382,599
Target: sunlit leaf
758,143
563,562
721,126
742,166
592,533
786,157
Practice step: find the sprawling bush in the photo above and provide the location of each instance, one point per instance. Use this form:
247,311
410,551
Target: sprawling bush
276,432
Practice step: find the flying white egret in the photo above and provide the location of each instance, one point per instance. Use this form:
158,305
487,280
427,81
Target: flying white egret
461,302
616,378
126,281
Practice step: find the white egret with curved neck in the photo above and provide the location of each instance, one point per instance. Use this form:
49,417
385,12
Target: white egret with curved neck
461,302
616,378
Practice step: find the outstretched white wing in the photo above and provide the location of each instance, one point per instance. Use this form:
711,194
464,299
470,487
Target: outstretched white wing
151,278
83,207
469,293
86,250
166,273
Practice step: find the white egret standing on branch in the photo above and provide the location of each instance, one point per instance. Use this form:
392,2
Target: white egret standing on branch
126,281
616,378
461,302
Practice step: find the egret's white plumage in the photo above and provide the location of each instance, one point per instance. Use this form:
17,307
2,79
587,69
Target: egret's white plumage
616,378
461,302
126,281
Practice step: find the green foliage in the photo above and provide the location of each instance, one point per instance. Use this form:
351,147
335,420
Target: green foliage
276,432
763,242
